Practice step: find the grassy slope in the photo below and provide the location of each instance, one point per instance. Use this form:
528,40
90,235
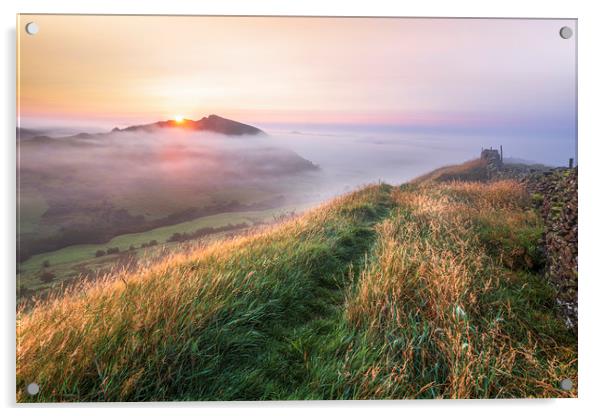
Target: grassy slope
473,170
428,290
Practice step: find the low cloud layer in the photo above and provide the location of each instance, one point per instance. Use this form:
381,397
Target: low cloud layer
90,187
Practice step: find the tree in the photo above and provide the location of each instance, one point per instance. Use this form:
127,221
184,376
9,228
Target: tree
46,263
100,253
47,277
152,243
175,237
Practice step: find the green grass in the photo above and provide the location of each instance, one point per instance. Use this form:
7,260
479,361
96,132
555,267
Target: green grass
383,293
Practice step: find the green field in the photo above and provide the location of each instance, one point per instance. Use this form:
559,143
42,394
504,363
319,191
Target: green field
69,262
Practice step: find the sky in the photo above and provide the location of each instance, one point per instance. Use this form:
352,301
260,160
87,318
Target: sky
510,76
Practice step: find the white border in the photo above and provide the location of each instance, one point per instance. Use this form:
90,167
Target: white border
590,137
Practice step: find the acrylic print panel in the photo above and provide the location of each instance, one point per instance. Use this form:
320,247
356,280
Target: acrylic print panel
277,208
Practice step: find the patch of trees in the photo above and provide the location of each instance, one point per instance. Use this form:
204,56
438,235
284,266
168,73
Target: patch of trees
149,244
110,250
115,250
47,276
202,232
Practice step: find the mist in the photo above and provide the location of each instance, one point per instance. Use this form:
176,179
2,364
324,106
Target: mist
87,188
362,154
126,163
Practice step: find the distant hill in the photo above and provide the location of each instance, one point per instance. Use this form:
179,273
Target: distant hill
24,133
212,123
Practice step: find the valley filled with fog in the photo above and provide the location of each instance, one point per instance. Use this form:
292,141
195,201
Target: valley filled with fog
89,188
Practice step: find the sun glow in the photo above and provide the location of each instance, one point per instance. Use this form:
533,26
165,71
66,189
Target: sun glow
179,119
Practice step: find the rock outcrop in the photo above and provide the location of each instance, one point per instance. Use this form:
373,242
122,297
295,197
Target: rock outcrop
554,193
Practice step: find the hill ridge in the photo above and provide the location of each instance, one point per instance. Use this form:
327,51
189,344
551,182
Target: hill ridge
212,123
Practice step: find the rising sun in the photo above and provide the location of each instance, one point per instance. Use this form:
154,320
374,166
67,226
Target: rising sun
179,119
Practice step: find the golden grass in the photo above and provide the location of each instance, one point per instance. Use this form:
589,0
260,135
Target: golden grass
445,305
424,294
473,170
71,337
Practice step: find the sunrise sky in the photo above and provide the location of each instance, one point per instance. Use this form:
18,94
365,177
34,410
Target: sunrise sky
444,73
